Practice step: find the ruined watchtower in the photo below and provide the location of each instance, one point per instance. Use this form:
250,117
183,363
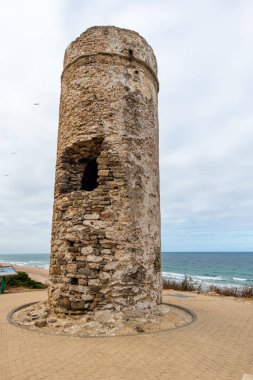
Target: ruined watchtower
106,220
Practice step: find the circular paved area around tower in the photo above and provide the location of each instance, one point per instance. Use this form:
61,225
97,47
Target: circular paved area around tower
219,345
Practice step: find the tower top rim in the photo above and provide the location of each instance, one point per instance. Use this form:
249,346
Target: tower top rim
111,40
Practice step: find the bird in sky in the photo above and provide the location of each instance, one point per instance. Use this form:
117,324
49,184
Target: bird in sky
13,153
36,104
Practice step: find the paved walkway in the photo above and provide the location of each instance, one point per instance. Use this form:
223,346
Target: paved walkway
219,345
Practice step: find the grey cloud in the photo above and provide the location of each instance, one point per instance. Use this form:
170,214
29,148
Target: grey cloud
205,59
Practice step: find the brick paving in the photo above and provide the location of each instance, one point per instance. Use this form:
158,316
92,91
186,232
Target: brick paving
218,346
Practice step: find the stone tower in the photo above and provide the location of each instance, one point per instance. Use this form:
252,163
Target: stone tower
106,220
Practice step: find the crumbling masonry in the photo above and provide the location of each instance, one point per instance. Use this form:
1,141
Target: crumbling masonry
106,221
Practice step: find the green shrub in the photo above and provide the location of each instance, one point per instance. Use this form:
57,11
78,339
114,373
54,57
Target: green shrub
23,280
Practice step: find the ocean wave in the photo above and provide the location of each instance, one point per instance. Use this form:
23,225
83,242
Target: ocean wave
194,277
172,274
214,278
34,264
206,281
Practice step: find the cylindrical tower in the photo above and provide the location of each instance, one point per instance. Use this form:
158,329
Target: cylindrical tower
106,220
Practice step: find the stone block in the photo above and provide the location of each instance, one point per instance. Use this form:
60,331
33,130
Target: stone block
87,250
93,216
103,173
78,305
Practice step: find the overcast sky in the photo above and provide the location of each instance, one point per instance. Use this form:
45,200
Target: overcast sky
204,50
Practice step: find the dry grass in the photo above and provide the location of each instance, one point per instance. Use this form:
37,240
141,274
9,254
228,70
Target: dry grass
245,292
187,284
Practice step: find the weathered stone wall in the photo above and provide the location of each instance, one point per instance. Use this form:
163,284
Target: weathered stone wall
106,230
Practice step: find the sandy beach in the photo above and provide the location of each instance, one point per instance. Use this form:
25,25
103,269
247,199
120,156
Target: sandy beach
37,274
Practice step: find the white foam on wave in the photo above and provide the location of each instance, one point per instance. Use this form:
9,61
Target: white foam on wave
239,279
32,264
194,277
173,275
203,278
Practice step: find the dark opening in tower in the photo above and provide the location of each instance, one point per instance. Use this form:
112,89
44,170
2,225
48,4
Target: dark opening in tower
78,169
90,175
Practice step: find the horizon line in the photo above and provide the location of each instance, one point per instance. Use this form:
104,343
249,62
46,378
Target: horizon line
48,253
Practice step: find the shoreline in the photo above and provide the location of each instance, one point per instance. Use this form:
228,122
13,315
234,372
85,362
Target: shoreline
42,274
37,274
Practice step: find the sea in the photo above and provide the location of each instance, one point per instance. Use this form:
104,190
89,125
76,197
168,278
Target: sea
224,269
